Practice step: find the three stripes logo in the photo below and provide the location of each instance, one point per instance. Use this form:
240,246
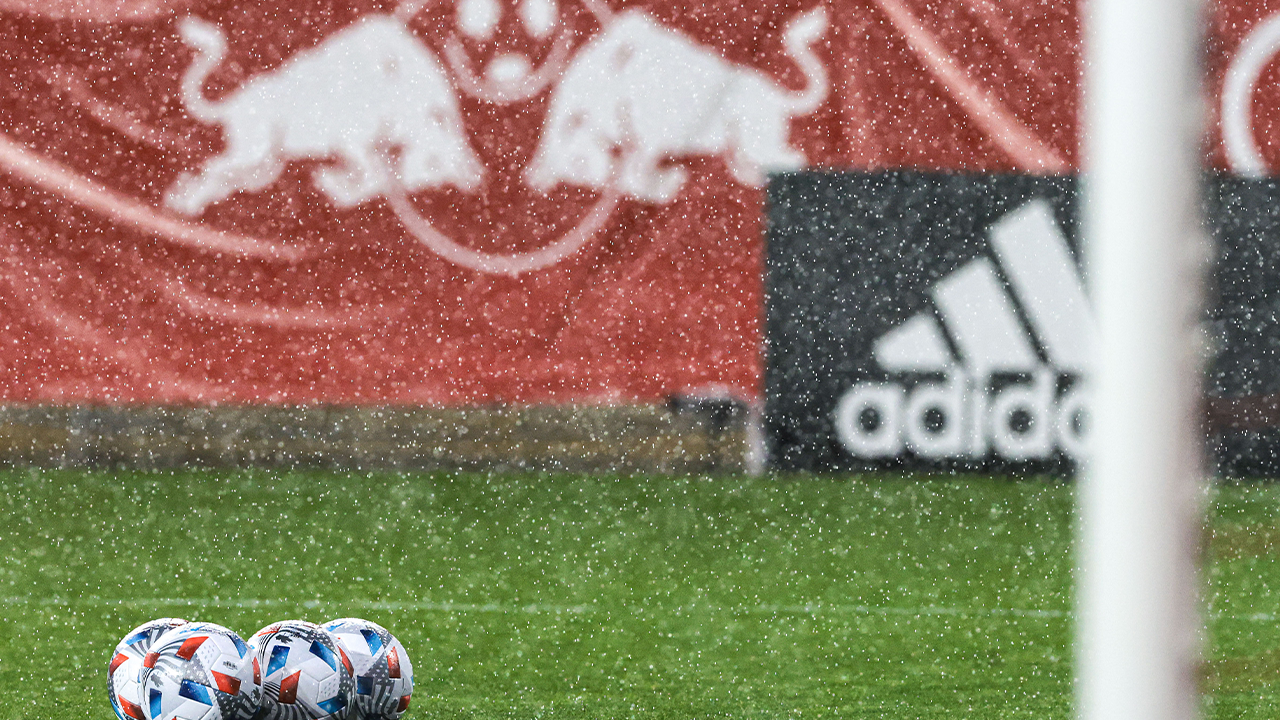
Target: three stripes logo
995,367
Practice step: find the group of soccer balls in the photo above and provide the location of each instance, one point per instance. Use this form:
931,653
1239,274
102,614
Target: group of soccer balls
348,669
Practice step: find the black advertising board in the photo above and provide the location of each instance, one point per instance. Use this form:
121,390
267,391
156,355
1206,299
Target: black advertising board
919,319
935,321
1244,326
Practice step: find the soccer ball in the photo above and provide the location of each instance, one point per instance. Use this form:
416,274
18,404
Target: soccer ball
124,674
384,675
306,676
200,671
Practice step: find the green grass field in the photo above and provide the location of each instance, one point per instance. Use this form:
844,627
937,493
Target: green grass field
618,597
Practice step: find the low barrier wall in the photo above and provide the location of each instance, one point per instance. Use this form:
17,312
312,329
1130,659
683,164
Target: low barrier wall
636,438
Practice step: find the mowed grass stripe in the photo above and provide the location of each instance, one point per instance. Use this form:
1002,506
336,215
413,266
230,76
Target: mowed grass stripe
534,609
578,609
557,596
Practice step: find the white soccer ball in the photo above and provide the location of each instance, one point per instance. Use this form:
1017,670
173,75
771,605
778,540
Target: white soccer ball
384,675
200,671
305,675
124,673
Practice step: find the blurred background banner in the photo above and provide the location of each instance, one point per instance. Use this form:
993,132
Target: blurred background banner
475,201
464,201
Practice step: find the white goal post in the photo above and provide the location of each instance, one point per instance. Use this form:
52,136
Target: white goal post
1138,634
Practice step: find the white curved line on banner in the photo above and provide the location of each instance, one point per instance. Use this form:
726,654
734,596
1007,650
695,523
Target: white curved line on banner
104,12
113,115
210,307
470,83
1259,46
135,357
1004,30
496,263
56,178
1004,128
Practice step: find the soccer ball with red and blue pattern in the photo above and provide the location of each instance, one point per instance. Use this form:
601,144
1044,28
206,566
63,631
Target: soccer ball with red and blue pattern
200,671
384,675
124,673
305,674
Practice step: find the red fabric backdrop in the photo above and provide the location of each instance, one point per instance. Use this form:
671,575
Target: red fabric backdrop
274,289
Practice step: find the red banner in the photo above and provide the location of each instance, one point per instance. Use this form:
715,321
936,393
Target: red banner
1244,64
461,201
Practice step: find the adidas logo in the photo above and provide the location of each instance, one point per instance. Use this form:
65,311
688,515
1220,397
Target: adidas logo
994,368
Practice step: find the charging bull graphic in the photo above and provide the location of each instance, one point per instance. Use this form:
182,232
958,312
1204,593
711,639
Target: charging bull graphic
369,90
377,105
647,94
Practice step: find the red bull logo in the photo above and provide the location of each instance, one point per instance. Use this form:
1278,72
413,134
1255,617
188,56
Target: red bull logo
639,95
376,106
369,90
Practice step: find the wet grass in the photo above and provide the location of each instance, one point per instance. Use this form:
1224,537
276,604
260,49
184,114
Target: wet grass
1242,672
586,597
